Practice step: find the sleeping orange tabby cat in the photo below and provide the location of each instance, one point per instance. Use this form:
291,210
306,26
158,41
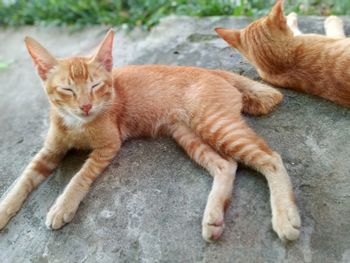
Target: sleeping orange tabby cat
284,57
96,107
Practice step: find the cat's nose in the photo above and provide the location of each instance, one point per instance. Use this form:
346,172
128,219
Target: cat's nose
86,108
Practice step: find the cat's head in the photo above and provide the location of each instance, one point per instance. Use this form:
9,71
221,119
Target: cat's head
78,87
261,38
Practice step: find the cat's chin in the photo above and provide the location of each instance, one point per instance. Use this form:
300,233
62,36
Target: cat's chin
74,120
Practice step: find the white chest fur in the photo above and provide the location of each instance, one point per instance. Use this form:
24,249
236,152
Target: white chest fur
77,133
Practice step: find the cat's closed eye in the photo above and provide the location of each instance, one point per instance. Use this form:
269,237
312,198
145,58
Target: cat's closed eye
65,90
96,85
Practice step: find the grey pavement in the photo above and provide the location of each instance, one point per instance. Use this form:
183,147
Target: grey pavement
148,205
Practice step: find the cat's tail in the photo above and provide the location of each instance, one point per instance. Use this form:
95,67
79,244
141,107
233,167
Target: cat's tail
258,98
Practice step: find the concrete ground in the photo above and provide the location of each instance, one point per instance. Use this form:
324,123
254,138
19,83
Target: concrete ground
147,206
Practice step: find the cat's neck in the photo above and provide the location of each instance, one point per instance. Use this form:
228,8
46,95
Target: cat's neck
72,121
276,59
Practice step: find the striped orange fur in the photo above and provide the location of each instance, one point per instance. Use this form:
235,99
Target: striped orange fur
285,57
96,107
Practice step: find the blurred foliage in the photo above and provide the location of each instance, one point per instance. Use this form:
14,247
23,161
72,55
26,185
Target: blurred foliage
4,64
147,12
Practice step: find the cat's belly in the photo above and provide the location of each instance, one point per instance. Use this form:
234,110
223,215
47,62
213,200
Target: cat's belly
144,130
153,125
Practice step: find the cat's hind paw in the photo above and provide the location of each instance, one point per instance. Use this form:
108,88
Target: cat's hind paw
286,223
334,27
333,21
292,21
212,226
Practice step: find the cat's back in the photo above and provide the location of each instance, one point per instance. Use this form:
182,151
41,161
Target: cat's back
323,47
322,67
165,83
165,74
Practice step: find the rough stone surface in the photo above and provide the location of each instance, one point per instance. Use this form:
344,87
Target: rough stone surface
147,206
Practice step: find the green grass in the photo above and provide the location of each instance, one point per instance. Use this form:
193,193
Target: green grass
147,12
4,64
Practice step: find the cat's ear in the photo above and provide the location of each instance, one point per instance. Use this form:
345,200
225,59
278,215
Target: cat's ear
276,16
231,36
42,58
103,54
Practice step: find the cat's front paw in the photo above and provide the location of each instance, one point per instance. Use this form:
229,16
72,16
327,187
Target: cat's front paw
286,222
8,209
213,225
61,213
5,216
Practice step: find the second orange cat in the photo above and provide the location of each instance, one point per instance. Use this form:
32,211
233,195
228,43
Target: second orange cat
284,57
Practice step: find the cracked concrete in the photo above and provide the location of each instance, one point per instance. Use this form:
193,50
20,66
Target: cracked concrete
147,206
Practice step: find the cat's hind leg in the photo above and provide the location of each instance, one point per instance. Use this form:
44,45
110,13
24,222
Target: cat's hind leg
257,98
292,21
334,27
223,171
231,136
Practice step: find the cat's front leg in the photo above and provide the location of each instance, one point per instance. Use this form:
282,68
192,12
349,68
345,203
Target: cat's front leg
67,203
36,172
